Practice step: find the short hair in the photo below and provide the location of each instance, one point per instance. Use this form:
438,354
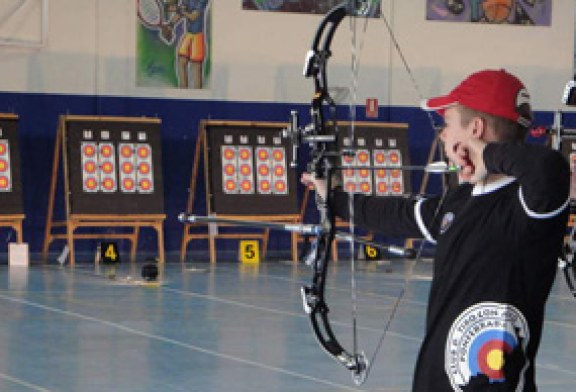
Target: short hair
505,130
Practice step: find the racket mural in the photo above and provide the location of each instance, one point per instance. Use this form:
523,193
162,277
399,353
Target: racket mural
11,206
246,176
156,15
112,177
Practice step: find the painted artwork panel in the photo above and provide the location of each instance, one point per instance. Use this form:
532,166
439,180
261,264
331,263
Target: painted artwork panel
367,7
514,12
174,41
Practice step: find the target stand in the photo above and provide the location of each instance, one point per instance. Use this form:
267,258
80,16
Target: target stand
246,177
112,180
11,207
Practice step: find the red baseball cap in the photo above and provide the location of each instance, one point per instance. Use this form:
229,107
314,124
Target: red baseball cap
494,92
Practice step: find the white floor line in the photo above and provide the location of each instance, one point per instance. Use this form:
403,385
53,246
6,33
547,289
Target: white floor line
283,312
178,343
23,383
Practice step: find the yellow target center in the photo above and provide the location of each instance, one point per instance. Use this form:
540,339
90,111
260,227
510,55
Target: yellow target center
495,359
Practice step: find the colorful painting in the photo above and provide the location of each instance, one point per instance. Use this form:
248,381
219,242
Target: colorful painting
173,43
516,12
366,7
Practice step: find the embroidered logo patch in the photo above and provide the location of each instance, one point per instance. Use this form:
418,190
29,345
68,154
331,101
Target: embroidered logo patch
486,345
447,220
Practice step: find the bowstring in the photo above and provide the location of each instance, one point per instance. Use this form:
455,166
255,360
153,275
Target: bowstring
410,270
356,49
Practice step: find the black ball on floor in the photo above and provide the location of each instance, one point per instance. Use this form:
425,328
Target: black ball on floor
149,272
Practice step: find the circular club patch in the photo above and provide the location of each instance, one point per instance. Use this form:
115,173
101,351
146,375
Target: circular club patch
480,340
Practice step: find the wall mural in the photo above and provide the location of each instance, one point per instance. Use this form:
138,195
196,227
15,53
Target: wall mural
372,7
517,12
173,43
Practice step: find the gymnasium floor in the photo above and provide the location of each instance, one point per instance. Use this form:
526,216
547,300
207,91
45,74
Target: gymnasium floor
223,328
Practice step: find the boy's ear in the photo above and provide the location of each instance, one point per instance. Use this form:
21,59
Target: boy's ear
478,127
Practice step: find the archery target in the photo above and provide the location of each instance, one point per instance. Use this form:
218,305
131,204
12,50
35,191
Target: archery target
10,178
5,166
349,175
237,169
382,182
388,181
113,165
89,162
144,168
248,168
107,166
127,166
264,170
357,180
375,150
396,181
230,169
280,171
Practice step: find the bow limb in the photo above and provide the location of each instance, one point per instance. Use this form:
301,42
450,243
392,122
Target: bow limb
314,298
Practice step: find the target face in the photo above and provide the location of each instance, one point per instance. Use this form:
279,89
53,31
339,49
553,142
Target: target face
357,180
238,163
237,169
379,147
10,184
388,181
5,166
380,181
98,162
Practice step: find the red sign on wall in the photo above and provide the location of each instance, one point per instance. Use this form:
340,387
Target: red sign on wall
371,107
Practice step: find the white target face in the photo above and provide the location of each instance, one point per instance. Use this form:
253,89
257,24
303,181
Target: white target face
381,182
106,168
5,166
254,170
237,169
357,180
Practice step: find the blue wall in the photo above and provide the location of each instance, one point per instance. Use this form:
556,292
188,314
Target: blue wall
38,123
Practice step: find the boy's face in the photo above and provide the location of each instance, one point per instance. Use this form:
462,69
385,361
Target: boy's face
454,135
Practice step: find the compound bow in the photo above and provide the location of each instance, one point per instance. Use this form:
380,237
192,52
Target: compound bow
322,137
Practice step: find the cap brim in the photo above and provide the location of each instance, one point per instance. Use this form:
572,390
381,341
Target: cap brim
438,103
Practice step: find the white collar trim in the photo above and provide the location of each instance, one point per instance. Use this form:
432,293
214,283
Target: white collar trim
482,189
